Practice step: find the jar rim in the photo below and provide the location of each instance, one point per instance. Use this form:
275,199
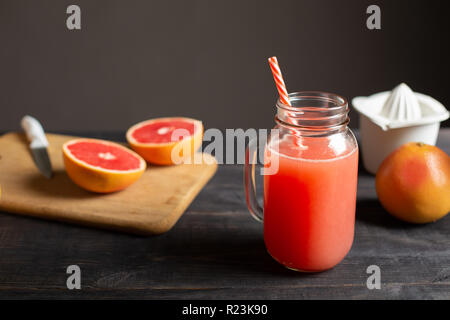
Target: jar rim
339,101
321,112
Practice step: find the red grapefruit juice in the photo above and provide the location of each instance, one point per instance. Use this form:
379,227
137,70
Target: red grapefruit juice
309,204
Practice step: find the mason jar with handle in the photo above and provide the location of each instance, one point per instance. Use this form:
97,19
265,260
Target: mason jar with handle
310,180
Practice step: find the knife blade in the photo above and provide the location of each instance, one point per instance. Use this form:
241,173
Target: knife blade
38,145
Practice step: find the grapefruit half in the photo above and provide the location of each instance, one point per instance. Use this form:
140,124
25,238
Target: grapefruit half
166,141
101,166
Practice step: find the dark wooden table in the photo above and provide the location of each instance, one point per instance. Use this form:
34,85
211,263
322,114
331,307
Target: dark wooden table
216,251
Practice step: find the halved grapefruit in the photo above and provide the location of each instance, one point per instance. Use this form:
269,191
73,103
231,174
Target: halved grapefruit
166,141
101,166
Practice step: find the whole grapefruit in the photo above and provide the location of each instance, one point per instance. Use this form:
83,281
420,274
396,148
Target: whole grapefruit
413,183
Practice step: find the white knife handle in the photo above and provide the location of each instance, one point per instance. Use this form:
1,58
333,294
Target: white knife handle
34,131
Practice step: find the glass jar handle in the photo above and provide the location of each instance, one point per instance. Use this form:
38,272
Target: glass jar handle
249,181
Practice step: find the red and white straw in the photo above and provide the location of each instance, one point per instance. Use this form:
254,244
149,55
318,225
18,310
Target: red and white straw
278,77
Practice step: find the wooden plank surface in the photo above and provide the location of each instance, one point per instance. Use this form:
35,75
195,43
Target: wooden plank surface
216,251
152,205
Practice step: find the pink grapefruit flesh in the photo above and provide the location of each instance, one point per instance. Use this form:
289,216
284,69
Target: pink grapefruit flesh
105,156
161,132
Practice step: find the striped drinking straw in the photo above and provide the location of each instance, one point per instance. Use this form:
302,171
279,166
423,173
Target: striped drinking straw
278,77
284,97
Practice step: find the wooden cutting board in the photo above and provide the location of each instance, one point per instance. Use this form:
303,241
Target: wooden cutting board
152,205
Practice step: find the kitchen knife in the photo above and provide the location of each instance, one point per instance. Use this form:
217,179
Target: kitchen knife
38,144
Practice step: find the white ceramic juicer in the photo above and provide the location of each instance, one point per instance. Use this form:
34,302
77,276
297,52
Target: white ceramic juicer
392,118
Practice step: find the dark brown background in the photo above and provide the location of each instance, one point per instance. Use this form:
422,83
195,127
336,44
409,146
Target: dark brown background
206,59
